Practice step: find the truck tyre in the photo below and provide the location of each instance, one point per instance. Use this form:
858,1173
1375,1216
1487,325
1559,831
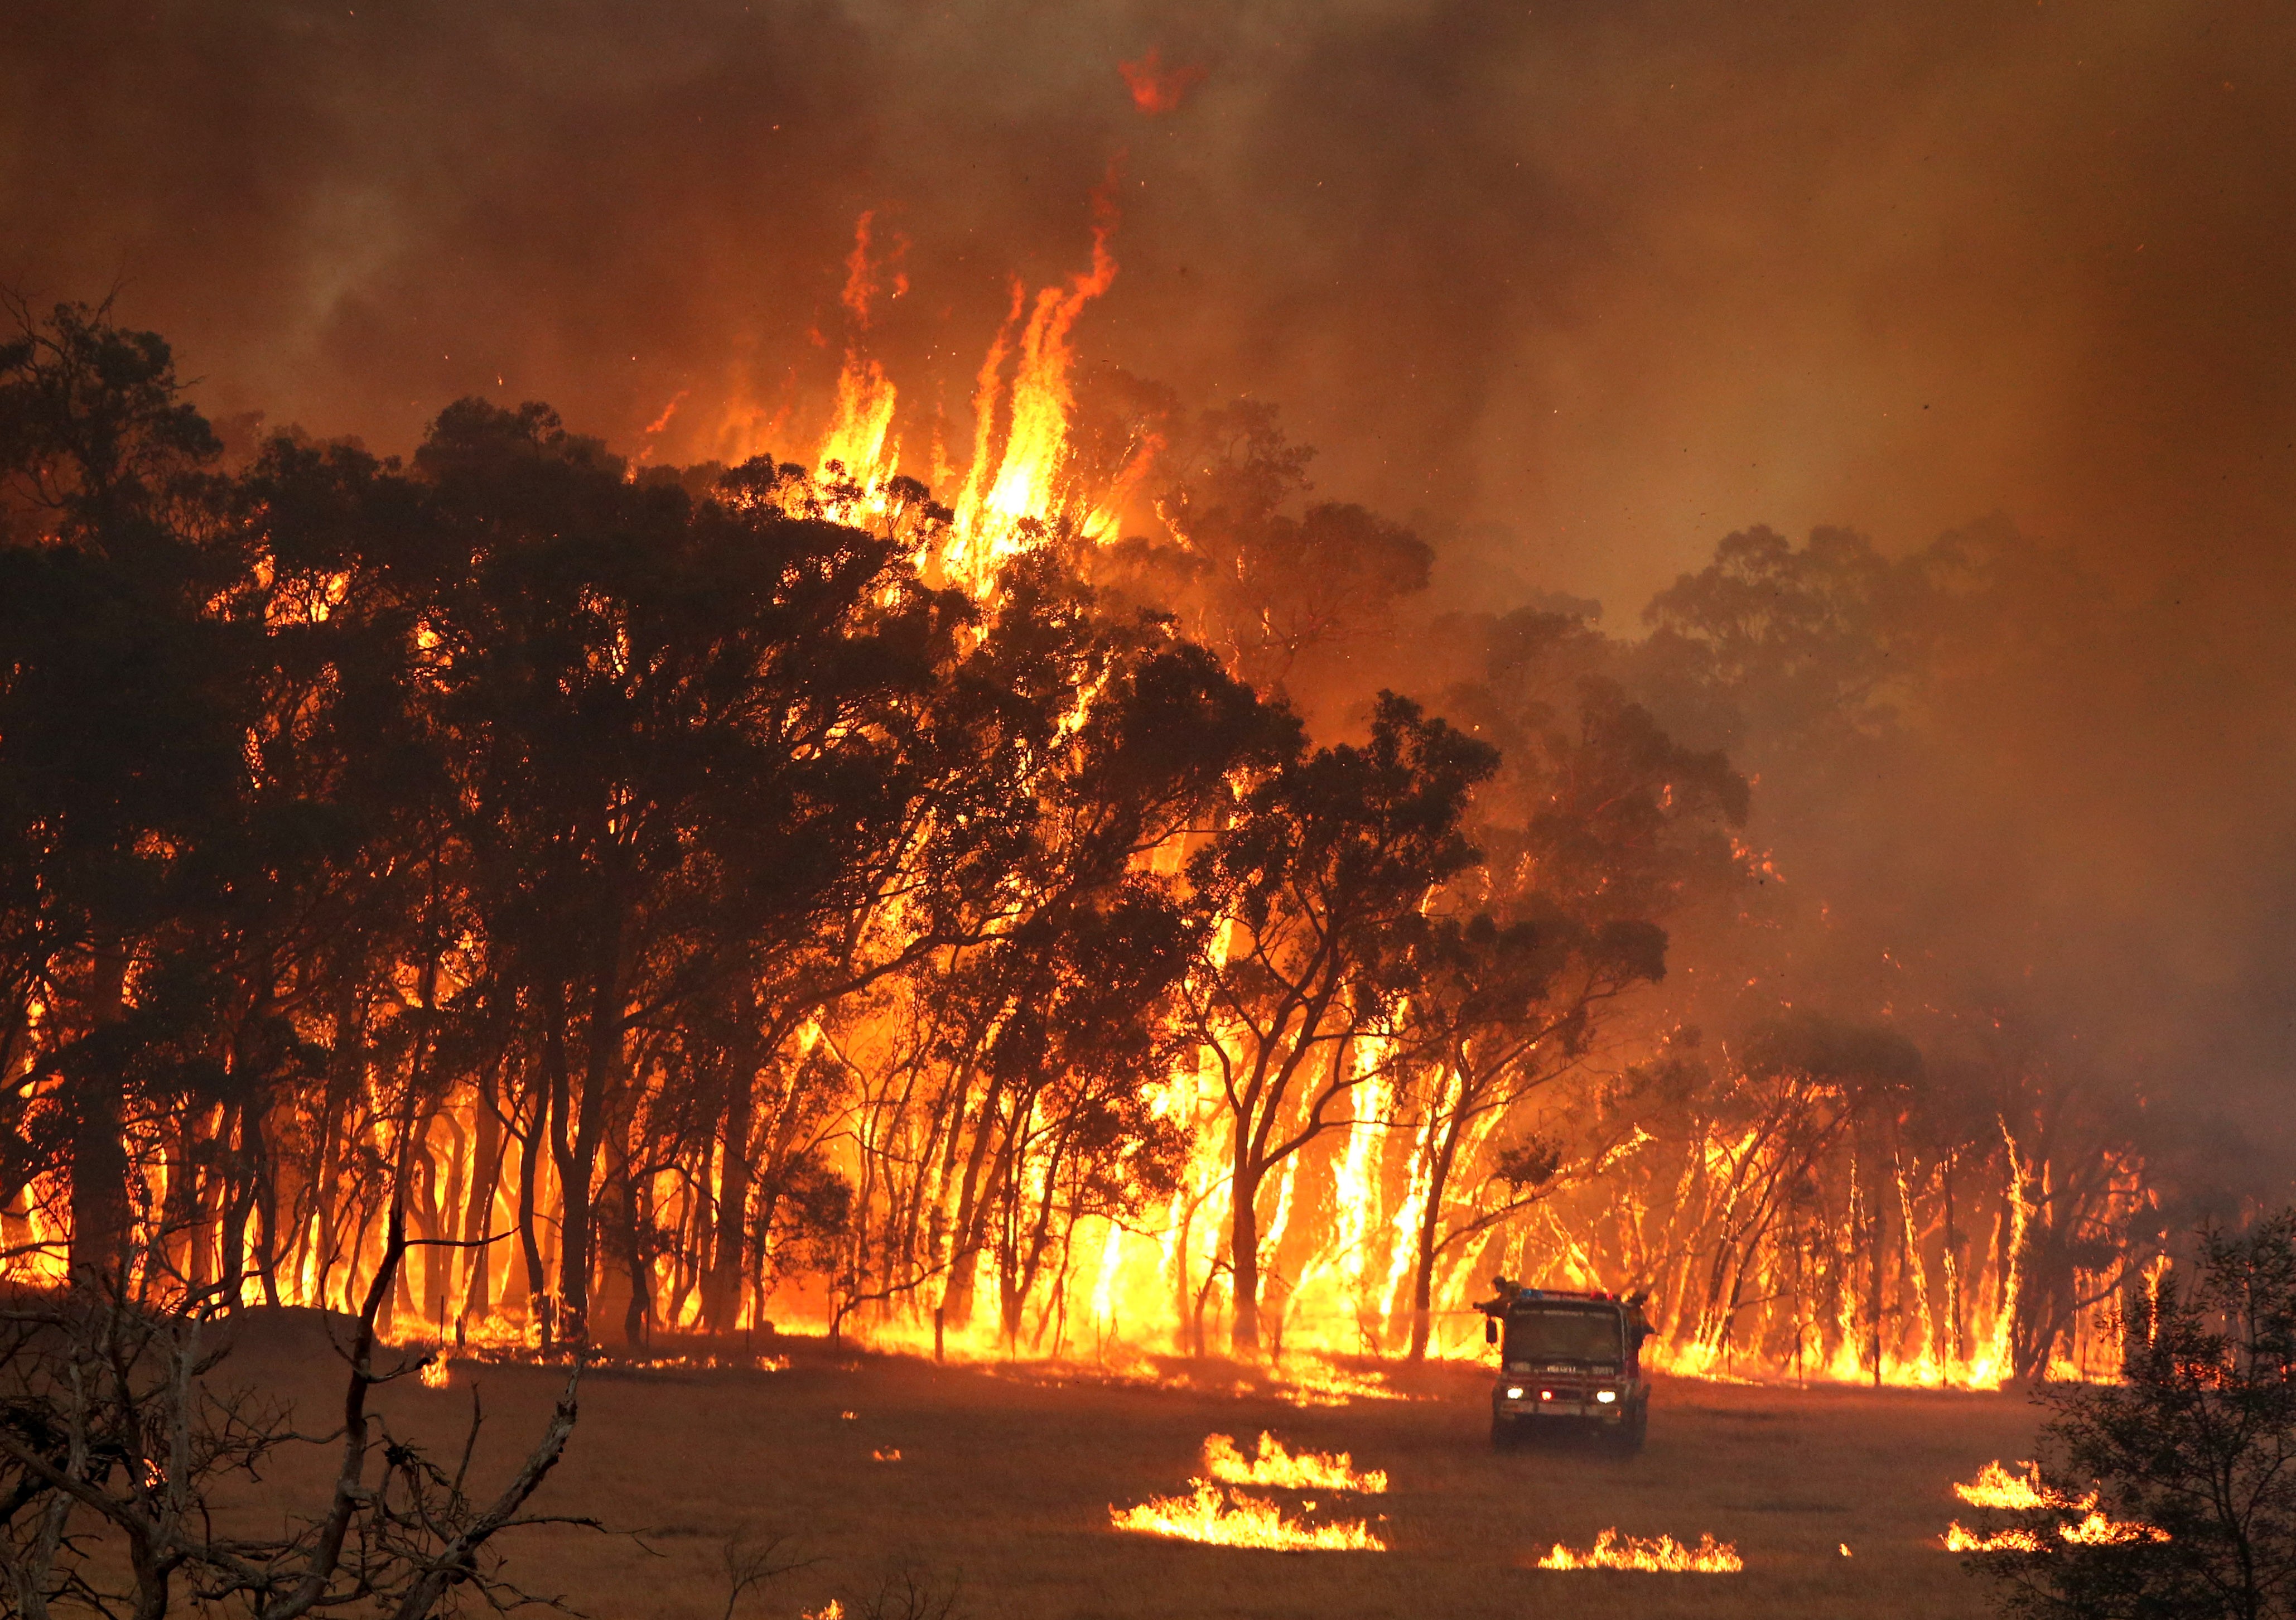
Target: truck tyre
1629,1439
1507,1435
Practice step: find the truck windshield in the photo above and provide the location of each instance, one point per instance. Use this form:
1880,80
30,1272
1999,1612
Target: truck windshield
1564,1335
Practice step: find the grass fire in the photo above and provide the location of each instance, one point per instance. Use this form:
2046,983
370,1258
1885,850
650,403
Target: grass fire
944,817
1654,1555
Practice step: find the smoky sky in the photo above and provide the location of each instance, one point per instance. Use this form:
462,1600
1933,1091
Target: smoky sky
1578,287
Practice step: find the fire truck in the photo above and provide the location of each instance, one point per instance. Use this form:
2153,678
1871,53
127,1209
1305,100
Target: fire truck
1568,1361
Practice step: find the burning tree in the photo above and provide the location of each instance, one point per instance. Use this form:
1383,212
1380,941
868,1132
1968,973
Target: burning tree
1319,887
757,884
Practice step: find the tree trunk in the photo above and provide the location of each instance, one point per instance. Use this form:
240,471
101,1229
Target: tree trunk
345,1063
1431,1227
98,1181
965,1243
529,1244
477,1214
1243,1257
577,1153
721,1297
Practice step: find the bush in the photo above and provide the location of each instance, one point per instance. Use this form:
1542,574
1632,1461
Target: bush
2173,1495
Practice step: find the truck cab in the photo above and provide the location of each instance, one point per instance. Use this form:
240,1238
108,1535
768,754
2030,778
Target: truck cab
1568,1360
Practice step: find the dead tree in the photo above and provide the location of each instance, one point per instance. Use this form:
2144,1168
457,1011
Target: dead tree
118,1443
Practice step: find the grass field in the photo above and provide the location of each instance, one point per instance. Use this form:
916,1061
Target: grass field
1004,1483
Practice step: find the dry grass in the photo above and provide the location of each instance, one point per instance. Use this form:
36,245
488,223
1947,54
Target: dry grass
1007,1482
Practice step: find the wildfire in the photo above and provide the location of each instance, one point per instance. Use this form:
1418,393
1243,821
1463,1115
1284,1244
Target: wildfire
890,1455
1995,1487
1805,1303
1291,1470
2098,1531
1227,1518
1958,1540
1659,1555
1320,1383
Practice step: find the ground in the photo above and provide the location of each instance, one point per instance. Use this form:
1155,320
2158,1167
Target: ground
1004,1481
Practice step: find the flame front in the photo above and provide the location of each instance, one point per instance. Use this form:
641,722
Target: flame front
1661,1555
1781,1233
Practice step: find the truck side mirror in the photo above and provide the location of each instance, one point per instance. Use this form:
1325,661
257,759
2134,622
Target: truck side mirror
1490,1330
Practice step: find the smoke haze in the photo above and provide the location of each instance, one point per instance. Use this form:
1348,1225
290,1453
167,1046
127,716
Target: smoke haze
1578,288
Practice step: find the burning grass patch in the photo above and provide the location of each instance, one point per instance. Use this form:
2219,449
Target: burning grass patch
1220,1517
1288,1470
1653,1555
1997,1487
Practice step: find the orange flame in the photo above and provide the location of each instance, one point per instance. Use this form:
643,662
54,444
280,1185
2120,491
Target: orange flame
1020,482
1958,1540
1291,1470
1225,1518
1661,1555
1995,1486
2098,1531
859,442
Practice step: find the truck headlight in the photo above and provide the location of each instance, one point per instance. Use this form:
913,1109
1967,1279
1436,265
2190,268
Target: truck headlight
1514,1391
1606,1396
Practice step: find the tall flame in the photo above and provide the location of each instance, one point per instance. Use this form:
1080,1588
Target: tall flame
860,445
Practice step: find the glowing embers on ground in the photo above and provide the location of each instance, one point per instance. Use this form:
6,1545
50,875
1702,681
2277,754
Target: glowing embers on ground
1306,1383
1997,1487
436,1374
1655,1555
1322,1384
1218,1514
1291,1470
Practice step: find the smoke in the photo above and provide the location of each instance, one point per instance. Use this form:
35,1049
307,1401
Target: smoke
1578,287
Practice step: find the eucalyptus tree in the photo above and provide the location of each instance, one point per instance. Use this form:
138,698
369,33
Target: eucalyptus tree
1317,889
